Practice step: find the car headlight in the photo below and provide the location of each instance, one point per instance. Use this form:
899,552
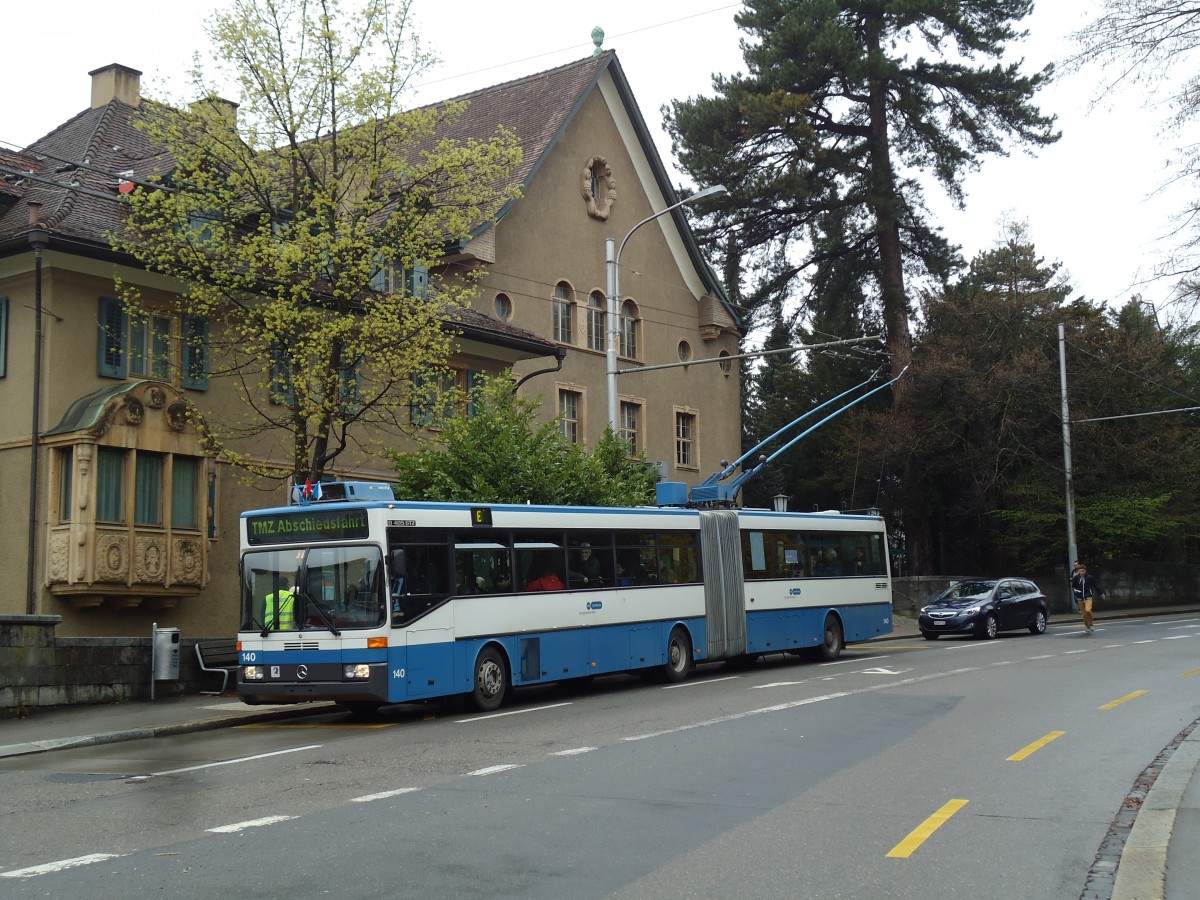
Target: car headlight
973,611
356,672
252,673
924,609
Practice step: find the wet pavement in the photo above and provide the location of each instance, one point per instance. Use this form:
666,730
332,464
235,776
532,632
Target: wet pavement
1160,843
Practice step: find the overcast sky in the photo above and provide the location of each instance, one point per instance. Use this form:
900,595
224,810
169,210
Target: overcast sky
1090,200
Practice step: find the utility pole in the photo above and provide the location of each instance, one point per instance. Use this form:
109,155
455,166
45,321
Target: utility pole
1072,547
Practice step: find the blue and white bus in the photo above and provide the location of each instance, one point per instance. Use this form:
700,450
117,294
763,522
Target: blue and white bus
374,601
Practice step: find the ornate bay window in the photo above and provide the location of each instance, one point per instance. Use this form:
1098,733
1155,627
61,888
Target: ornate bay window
135,500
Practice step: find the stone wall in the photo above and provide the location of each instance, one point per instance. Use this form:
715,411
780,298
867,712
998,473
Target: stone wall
36,669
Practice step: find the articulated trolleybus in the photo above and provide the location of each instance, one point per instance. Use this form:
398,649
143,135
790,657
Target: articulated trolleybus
366,600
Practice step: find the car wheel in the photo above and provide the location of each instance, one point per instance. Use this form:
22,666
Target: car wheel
1038,626
929,635
989,627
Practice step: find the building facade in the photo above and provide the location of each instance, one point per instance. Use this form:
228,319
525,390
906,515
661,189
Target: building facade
116,517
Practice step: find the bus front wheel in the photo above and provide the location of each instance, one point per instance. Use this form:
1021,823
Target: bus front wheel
491,680
679,656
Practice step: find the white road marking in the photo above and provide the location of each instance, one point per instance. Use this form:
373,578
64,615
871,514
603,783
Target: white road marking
1043,656
46,868
775,684
229,762
384,795
702,681
492,770
514,712
853,659
975,645
1146,642
736,716
252,823
1176,637
575,752
1069,652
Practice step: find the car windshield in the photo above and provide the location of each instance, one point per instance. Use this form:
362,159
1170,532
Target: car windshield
327,588
967,590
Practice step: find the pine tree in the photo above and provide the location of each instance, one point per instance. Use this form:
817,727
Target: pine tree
845,103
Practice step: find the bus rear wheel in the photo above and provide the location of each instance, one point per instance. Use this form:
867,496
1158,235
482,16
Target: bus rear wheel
491,680
679,656
833,641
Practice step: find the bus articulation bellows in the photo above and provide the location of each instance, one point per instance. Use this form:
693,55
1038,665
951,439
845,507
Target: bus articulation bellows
375,601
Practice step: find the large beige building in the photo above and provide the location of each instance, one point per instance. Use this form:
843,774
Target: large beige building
115,518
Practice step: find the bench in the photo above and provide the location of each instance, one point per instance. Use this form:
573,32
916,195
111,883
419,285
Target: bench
219,656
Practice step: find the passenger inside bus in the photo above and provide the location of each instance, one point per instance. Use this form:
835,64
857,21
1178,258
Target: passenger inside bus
585,569
547,576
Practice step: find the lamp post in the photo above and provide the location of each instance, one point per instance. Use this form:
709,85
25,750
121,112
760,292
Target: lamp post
613,263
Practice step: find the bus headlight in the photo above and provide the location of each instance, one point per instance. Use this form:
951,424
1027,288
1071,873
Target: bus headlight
253,673
356,672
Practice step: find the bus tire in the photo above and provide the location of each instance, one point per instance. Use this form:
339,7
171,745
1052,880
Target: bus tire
491,679
833,640
679,656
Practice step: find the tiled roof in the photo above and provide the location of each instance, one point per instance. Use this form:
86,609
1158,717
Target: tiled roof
83,160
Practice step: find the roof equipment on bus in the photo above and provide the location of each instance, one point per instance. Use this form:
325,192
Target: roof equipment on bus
711,491
349,491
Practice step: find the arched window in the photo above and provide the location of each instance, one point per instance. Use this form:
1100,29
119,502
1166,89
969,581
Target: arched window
629,330
564,313
596,338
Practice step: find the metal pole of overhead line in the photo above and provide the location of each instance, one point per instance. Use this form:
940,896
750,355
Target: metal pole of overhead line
1072,548
39,239
612,264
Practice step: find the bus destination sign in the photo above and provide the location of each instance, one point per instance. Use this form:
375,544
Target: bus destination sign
307,526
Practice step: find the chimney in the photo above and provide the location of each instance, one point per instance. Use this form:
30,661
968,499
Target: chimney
115,82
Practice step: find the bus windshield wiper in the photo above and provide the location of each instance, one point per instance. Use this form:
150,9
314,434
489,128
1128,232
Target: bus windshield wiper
310,602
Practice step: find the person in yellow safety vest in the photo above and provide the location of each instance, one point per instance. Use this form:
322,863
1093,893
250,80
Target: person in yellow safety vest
281,617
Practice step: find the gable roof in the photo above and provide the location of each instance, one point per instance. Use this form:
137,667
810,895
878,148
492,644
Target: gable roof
85,158
540,107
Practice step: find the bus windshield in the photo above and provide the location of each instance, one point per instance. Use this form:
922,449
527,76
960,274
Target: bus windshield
300,588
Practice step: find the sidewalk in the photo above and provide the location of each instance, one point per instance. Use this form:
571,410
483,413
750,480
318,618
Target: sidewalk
1169,815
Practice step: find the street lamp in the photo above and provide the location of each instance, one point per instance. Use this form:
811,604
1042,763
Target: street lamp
613,264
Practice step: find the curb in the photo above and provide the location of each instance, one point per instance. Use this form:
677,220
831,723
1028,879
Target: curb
174,728
1142,871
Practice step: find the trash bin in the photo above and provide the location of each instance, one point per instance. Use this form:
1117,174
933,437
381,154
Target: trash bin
166,654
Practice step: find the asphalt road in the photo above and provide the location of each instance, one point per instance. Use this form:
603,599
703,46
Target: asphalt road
913,769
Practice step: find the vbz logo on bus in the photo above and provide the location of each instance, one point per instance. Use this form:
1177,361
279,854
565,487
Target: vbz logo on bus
795,592
595,604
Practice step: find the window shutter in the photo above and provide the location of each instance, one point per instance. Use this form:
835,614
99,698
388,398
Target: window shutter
195,353
112,358
418,281
473,378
